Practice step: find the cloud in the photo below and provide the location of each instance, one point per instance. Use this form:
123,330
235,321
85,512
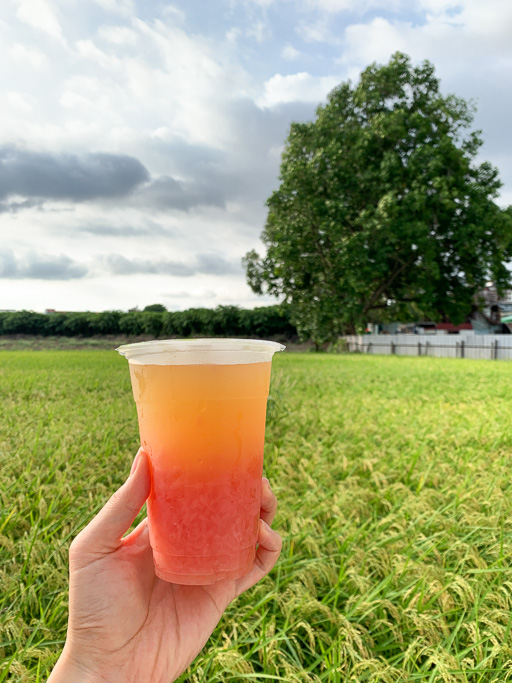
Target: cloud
233,34
186,294
263,3
438,6
71,177
215,264
290,53
15,207
20,101
479,34
173,12
39,15
33,56
205,264
88,50
36,266
118,35
301,87
167,193
122,7
318,31
260,31
238,178
120,265
197,175
39,267
360,6
126,231
191,92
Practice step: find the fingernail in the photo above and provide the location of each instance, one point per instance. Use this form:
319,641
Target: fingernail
135,462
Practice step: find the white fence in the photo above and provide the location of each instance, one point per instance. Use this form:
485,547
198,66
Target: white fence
477,346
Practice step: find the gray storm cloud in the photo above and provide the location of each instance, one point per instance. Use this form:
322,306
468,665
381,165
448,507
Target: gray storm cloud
39,176
197,176
39,267
15,207
78,178
166,192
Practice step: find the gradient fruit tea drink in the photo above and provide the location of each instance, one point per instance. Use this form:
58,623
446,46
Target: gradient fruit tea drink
201,406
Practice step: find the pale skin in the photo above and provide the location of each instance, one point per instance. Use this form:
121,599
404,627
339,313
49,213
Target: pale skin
126,624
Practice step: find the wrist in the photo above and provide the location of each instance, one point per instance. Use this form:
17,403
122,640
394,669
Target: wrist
70,670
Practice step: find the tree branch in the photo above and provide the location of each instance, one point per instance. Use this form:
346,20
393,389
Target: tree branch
403,300
384,285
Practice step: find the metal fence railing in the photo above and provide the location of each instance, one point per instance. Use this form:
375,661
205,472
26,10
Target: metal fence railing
483,347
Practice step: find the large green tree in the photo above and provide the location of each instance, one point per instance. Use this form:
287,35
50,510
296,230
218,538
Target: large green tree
382,210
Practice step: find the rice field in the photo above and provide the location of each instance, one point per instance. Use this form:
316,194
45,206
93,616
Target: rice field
395,506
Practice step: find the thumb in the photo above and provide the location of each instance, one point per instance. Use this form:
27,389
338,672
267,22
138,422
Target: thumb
103,534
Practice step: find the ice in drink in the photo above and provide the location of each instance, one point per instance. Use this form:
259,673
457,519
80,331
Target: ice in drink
203,425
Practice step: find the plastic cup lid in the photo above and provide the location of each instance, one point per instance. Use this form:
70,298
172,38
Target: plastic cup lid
200,351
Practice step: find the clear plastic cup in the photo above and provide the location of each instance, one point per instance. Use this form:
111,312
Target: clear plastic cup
201,405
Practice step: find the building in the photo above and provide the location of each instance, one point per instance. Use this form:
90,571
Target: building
491,314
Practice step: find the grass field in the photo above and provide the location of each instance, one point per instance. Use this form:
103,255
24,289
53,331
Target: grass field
393,477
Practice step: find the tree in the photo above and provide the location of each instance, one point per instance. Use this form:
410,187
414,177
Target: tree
382,211
155,308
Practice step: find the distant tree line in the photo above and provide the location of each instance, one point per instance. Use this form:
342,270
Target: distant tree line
223,321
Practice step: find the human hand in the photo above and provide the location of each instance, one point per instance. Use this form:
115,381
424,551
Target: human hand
125,623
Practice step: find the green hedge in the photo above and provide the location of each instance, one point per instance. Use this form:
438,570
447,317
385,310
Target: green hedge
223,321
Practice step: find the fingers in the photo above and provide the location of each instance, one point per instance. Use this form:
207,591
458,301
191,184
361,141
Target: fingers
104,533
269,548
268,502
269,541
139,536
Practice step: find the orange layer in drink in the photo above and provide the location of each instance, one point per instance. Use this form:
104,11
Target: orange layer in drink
203,427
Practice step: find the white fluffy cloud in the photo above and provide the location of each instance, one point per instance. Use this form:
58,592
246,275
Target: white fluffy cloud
40,15
290,53
20,101
473,34
359,6
36,58
301,87
123,7
118,35
128,81
317,31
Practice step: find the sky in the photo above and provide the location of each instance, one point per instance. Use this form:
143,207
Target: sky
140,139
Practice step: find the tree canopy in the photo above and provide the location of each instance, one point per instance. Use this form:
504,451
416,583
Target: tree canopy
155,308
382,211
